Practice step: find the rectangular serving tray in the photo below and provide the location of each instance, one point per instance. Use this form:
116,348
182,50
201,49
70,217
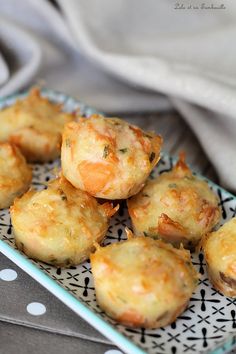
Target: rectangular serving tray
207,326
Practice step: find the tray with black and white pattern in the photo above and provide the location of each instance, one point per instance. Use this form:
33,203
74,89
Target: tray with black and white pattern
209,323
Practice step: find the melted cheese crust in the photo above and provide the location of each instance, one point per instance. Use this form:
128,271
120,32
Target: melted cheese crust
220,253
59,225
143,282
15,174
35,125
107,157
176,207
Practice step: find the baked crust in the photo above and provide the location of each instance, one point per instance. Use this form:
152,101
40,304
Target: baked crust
143,282
219,248
35,125
15,174
107,157
60,224
176,207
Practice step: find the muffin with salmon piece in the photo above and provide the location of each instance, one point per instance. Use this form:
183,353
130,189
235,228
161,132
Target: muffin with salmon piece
107,157
60,224
176,207
143,282
15,174
35,125
219,248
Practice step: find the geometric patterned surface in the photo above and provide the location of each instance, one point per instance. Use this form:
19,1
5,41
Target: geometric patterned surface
210,317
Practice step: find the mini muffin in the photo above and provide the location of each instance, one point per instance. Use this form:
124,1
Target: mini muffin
35,125
219,248
59,225
15,174
143,282
107,157
176,207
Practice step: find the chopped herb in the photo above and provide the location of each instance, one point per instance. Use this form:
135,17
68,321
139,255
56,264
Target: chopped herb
22,246
63,197
172,185
123,150
148,135
53,260
145,233
106,151
122,300
189,177
68,144
67,261
152,156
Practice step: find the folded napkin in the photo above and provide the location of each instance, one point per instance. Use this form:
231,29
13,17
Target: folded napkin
58,61
119,56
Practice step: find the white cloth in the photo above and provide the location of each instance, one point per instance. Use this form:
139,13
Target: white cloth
119,55
41,48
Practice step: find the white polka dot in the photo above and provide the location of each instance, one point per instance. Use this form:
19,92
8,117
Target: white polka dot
113,351
36,308
8,274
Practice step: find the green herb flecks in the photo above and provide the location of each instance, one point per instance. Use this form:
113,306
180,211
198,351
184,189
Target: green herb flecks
68,261
68,143
172,185
106,151
190,178
22,246
122,300
63,197
123,150
148,135
53,261
152,156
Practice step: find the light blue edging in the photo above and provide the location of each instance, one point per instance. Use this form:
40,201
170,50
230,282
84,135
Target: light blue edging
69,300
226,347
55,96
74,304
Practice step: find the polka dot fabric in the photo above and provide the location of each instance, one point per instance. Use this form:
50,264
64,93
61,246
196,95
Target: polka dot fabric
36,308
8,274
